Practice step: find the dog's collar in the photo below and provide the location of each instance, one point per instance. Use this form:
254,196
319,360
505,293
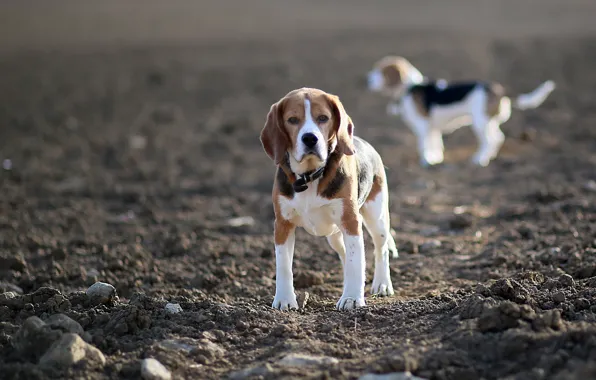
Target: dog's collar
301,183
303,180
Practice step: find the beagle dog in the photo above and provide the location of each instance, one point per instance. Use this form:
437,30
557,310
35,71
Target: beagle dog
431,108
330,183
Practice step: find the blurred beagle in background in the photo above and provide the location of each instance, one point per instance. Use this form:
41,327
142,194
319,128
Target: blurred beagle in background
432,108
330,183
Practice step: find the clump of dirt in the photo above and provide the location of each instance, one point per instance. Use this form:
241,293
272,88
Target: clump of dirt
141,169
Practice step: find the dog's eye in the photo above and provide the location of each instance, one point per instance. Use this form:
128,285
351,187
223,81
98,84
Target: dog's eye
293,120
322,119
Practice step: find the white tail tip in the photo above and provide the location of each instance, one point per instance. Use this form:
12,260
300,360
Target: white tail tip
535,98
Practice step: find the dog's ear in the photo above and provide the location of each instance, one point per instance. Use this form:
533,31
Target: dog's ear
274,137
397,71
343,126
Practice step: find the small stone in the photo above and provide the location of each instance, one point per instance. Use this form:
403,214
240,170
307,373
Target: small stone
566,280
101,293
303,360
559,297
176,345
64,323
590,186
241,221
581,304
242,326
34,338
390,376
429,246
7,164
209,349
173,308
302,299
69,350
151,369
137,142
5,297
461,221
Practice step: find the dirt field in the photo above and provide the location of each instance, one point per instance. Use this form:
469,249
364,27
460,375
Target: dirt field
129,157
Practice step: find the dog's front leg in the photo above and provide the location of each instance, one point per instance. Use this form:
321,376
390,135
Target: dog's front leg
285,236
354,264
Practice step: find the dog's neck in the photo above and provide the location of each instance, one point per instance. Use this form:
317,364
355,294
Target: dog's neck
300,181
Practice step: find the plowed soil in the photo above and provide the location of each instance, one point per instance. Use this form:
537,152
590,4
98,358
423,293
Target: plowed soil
140,166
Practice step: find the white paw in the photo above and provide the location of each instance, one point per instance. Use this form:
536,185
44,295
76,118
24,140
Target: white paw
480,160
285,303
350,303
382,288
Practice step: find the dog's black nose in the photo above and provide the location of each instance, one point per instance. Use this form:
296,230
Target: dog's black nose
310,140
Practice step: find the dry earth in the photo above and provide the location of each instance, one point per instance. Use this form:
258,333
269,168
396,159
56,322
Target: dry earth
130,151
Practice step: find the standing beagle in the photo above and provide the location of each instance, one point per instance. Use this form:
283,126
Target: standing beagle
330,183
432,108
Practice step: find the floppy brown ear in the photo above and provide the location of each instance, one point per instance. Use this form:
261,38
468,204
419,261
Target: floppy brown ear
274,138
344,128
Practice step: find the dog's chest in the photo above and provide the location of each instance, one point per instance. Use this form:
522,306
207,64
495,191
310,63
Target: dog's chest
317,215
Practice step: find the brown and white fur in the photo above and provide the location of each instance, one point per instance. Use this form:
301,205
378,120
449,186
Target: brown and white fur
307,132
484,106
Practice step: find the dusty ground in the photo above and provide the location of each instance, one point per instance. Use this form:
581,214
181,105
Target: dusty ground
126,164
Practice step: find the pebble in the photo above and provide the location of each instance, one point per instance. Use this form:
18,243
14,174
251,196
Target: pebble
7,164
34,338
65,323
241,221
151,369
173,308
390,376
590,186
69,350
428,246
101,292
302,299
6,297
566,280
559,297
303,360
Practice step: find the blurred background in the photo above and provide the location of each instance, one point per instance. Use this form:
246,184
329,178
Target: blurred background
130,154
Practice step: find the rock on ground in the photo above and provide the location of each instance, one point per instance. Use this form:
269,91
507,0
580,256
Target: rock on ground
151,369
64,323
100,292
173,308
69,350
303,360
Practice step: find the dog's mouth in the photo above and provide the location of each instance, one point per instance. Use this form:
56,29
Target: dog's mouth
311,157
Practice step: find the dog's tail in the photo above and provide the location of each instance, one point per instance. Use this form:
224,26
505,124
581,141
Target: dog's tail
535,98
392,247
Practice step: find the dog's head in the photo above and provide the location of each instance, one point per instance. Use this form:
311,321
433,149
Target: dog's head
308,124
390,75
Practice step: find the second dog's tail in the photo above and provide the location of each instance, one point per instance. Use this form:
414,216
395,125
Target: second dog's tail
392,247
535,98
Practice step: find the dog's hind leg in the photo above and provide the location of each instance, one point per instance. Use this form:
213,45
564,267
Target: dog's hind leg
375,215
